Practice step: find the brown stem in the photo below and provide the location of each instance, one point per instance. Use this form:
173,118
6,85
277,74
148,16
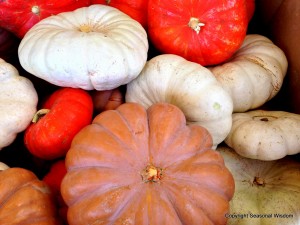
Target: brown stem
265,118
259,181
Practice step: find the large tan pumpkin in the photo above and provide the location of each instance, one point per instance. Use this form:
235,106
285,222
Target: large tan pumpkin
145,167
25,200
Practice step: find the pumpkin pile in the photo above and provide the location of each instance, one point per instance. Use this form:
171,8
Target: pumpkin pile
145,112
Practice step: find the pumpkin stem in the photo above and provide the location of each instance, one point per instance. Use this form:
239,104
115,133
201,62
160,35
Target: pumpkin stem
39,114
265,118
35,9
195,24
107,2
259,181
85,28
151,174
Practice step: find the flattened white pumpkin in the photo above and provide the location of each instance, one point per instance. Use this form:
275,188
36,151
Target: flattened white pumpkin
96,47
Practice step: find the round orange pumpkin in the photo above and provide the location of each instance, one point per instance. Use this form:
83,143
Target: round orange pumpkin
145,167
24,199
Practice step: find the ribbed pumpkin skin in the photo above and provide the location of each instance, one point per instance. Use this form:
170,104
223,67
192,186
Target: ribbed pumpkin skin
24,199
106,182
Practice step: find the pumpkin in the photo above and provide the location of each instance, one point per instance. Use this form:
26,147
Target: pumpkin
136,9
108,99
24,199
63,114
96,47
254,74
19,16
189,86
18,102
138,166
265,135
205,32
279,20
53,179
266,192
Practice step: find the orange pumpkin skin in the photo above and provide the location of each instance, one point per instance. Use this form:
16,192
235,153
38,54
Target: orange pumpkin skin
24,199
132,166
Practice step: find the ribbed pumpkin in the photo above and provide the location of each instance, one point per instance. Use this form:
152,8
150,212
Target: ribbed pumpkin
24,199
137,166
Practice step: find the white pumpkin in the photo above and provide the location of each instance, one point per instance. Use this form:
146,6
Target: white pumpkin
188,85
96,47
18,102
265,135
266,192
254,74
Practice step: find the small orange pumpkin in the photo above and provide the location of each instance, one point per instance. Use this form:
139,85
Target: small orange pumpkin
24,199
146,167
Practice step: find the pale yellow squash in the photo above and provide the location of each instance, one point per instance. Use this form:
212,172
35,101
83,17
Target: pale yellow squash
254,74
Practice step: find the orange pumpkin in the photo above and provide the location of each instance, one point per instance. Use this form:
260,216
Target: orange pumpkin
24,199
138,166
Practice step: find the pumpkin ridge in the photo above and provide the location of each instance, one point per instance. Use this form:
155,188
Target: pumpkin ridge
119,140
98,150
192,153
101,201
13,191
98,188
173,193
202,184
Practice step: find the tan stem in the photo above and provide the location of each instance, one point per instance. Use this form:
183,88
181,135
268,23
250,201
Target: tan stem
39,114
151,174
195,24
85,28
35,9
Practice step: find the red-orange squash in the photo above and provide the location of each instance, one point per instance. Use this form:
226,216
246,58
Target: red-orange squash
145,167
25,200
205,32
